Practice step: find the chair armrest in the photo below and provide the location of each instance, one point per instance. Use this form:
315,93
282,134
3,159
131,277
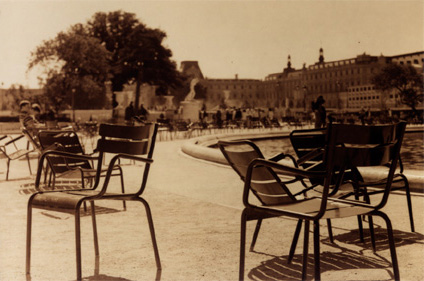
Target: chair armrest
47,153
14,140
277,157
279,168
314,153
64,154
136,158
286,170
281,156
112,165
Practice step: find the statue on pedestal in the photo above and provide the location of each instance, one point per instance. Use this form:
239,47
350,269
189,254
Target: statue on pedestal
192,93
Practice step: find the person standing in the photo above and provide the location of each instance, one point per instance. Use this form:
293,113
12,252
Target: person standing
320,113
129,112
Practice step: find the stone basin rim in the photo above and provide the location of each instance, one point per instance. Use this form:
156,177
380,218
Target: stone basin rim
200,148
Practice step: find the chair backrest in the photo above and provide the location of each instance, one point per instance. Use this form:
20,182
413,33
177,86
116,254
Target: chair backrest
346,147
128,140
266,185
66,141
32,140
133,140
306,142
351,146
52,125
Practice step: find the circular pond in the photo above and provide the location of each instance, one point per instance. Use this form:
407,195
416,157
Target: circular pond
412,151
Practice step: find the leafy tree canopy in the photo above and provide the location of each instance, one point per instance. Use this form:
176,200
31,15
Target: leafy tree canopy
73,62
113,46
137,52
405,80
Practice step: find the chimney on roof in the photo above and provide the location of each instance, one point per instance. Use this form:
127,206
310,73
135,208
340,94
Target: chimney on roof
236,76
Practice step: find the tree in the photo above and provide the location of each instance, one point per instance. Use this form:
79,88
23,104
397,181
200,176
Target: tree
75,64
137,52
405,80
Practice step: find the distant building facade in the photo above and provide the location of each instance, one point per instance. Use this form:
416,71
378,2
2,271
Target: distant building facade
345,85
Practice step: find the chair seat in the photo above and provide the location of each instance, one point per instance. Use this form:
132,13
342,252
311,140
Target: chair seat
334,209
59,201
398,182
19,153
67,200
88,173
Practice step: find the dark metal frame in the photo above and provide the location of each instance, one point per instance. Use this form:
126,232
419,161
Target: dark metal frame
132,143
336,155
17,154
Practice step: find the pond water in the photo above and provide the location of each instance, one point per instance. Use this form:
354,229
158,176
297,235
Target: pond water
412,151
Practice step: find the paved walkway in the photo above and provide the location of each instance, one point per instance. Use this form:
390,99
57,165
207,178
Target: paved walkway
196,210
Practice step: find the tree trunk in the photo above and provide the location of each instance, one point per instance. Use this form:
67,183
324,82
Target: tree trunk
137,91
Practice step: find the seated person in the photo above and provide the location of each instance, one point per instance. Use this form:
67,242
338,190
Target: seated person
26,119
36,112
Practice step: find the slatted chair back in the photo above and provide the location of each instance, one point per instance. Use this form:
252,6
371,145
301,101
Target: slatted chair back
309,142
351,146
266,185
128,140
66,141
33,141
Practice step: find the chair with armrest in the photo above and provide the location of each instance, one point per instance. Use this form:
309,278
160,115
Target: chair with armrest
306,144
11,152
122,142
346,147
69,168
239,154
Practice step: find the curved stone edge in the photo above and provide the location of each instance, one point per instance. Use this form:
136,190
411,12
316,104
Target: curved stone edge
199,148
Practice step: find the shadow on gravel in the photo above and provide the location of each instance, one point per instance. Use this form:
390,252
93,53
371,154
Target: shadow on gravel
277,268
402,238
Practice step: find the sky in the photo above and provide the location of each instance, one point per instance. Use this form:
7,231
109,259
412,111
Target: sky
249,38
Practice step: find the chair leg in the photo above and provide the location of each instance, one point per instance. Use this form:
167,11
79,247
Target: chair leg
122,188
152,232
409,202
305,251
28,238
391,243
78,241
29,164
255,234
316,251
93,217
360,227
371,225
330,231
294,241
242,244
7,172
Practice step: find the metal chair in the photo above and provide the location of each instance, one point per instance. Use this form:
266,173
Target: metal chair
346,147
70,168
239,154
123,142
11,152
308,143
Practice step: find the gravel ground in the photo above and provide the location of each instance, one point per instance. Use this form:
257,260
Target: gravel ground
196,209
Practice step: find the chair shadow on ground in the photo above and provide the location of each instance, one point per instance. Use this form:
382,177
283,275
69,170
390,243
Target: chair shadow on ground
277,268
102,277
